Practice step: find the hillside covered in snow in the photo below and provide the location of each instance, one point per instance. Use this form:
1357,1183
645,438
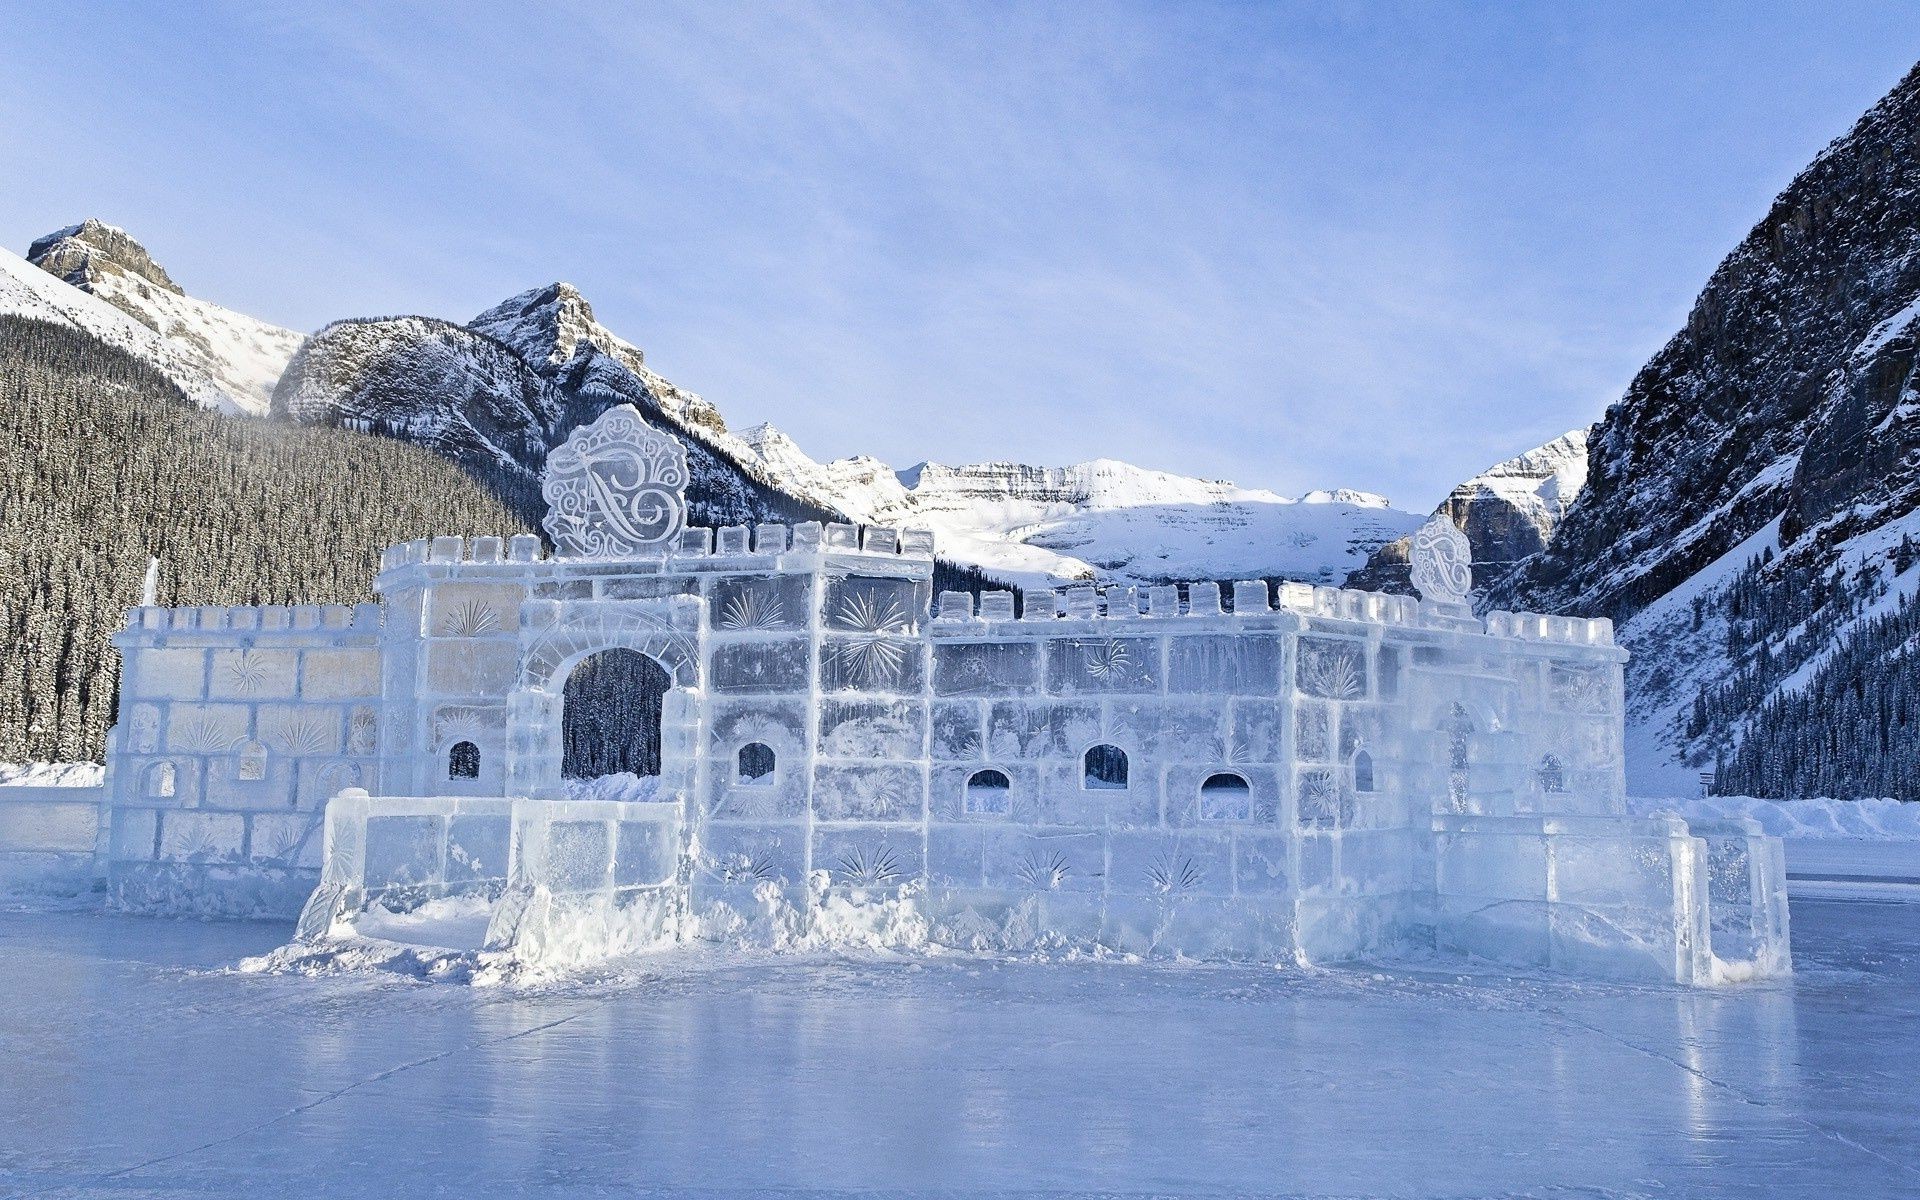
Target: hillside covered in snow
1104,520
236,359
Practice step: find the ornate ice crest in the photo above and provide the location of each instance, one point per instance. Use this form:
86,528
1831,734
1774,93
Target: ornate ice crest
1442,562
615,488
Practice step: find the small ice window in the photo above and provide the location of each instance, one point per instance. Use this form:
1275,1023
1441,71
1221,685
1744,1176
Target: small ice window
253,761
1106,767
988,792
755,763
1362,771
463,761
160,779
1225,797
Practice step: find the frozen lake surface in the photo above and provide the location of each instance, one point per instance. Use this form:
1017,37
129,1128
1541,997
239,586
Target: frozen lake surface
132,1064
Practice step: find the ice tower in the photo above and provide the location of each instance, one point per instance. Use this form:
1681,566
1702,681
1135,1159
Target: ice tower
655,733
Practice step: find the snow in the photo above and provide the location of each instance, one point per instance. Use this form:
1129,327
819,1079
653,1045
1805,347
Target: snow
244,356
1104,519
52,774
1820,819
139,1063
1540,484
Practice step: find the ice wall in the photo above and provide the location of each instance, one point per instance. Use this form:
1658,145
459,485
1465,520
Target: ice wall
236,724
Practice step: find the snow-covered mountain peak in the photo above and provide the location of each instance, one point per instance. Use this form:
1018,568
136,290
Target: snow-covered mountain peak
548,325
28,291
235,359
554,330
82,254
1346,496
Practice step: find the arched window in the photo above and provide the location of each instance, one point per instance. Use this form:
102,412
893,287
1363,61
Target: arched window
755,763
1106,767
1226,797
988,792
1552,776
1362,771
463,761
253,761
160,779
610,715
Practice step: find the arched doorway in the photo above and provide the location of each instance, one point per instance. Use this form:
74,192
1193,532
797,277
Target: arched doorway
610,715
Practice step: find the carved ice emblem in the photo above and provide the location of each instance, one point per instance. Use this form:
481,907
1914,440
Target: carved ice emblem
1442,562
616,488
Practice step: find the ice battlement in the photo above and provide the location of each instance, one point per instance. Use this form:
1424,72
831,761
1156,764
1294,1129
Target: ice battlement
268,618
727,542
1243,599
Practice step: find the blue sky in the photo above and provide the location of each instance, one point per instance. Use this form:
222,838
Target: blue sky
1357,245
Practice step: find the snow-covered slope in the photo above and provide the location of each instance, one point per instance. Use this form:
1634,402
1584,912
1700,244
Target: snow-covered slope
240,356
26,290
1106,520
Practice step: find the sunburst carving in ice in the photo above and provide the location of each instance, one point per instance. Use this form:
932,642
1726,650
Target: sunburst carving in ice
752,611
868,652
471,619
247,672
1109,661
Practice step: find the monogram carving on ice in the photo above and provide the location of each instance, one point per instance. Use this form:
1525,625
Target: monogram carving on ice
616,488
1442,561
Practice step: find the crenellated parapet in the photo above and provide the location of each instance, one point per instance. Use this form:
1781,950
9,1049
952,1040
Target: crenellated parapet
269,618
1250,598
689,547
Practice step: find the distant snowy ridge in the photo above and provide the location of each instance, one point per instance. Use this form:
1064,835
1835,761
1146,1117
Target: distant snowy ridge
1105,520
237,357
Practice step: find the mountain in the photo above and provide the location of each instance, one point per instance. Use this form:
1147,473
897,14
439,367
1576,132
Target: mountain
496,396
1509,513
27,291
236,359
1105,520
1750,516
552,326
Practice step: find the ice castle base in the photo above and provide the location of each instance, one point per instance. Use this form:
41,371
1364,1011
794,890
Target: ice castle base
573,882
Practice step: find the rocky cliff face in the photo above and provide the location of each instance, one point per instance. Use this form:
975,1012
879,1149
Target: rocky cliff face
1749,513
240,357
1104,520
1705,448
1509,513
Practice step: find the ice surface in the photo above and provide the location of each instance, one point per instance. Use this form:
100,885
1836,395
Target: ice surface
746,1075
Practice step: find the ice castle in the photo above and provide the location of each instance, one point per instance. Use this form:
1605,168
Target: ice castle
658,733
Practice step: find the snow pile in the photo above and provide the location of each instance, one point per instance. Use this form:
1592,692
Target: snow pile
52,774
1879,820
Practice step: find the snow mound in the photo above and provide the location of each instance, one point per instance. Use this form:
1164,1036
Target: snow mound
52,774
1879,820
